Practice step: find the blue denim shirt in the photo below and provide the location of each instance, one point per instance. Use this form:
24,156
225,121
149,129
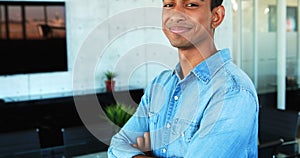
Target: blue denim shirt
212,112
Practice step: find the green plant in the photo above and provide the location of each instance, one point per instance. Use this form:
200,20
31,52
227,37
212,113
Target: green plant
119,113
110,75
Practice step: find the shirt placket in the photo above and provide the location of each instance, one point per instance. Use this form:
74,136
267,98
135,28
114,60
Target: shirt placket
170,114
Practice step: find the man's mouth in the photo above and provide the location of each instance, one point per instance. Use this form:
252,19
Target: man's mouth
179,29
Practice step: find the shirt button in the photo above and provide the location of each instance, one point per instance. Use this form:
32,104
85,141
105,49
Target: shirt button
182,134
176,97
164,150
168,125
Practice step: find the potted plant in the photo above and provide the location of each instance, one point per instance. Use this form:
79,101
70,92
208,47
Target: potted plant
109,82
119,113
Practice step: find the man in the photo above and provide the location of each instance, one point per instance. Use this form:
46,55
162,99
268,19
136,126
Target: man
206,107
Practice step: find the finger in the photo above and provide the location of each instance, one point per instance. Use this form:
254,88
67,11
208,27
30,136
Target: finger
134,145
147,141
140,143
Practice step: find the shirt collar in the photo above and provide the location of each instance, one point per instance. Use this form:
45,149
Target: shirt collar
178,71
206,69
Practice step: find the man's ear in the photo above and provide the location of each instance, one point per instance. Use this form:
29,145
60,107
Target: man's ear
218,14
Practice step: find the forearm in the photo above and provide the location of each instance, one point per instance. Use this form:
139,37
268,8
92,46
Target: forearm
121,147
129,152
121,143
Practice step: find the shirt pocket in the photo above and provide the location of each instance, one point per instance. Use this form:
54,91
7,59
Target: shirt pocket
153,119
184,129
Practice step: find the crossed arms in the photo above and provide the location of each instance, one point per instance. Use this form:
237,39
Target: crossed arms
143,144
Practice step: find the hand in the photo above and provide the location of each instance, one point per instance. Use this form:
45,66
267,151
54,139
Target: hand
144,144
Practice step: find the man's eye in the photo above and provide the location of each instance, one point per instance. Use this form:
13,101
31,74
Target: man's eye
192,5
168,5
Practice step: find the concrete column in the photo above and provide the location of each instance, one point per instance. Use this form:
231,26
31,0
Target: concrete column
239,34
281,53
255,43
298,46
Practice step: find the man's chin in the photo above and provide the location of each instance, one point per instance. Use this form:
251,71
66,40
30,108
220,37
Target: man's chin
179,41
181,45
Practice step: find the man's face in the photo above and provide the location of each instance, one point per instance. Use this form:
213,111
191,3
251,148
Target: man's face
187,23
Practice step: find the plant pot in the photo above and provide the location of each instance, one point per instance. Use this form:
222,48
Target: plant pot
110,85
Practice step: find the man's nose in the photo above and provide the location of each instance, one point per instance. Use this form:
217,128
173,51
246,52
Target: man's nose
178,16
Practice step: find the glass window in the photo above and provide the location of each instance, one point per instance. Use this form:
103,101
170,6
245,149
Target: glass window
291,21
243,35
32,21
35,17
292,46
267,50
247,53
56,20
2,23
15,22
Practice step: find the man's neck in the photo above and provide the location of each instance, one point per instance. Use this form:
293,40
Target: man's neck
190,58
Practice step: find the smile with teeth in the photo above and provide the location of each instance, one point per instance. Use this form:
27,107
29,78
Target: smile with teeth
179,29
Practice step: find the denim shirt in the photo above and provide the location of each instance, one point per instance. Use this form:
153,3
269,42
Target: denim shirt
212,112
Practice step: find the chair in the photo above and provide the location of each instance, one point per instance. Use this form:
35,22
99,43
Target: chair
278,128
269,149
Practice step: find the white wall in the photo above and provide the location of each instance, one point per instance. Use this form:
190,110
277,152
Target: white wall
123,36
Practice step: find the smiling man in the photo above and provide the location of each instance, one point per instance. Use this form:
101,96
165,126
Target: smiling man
205,107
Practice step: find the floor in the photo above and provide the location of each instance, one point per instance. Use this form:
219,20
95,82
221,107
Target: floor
94,155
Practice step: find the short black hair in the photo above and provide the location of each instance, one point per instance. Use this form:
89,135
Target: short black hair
215,3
